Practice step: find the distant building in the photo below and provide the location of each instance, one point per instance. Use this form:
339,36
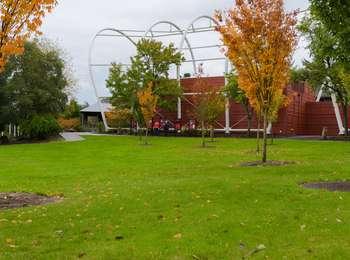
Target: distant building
302,116
91,115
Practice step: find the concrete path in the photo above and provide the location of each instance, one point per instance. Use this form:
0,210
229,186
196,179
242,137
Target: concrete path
71,137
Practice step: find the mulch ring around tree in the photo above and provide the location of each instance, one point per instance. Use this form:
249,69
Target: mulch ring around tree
343,186
268,163
10,200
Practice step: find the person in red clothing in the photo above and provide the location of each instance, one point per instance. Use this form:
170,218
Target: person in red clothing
156,127
178,126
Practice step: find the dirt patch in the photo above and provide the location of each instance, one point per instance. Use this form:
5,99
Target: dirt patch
10,200
343,186
268,163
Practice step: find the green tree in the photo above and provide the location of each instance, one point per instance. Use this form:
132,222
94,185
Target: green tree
327,68
209,104
34,83
298,75
335,16
72,109
150,66
234,92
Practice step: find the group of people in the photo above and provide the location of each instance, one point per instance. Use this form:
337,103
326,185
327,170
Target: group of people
163,126
166,126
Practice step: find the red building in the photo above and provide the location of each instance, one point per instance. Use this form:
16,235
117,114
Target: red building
303,115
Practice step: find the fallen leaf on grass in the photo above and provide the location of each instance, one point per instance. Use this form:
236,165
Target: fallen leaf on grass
178,236
339,220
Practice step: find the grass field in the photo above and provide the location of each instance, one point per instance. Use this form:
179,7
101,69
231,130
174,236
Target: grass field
175,200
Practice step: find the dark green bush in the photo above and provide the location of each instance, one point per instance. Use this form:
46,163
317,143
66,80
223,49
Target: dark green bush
40,127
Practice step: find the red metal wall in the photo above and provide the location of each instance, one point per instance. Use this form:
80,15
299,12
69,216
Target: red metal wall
302,116
319,115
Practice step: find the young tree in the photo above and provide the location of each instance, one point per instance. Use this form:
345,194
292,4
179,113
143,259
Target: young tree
328,68
209,105
148,104
234,92
19,19
150,65
260,38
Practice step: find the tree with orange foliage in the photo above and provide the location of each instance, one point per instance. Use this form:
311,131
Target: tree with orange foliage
260,38
20,19
119,118
148,104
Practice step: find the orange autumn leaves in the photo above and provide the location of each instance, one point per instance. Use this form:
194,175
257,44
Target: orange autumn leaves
19,20
260,39
148,103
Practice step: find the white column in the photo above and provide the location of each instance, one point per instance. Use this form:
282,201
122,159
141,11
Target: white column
269,128
179,101
227,106
179,108
319,95
337,115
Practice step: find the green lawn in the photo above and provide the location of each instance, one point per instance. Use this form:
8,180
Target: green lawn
175,200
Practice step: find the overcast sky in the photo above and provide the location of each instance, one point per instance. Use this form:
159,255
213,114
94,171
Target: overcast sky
74,23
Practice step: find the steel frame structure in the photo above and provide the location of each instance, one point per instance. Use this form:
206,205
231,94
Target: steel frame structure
184,45
337,113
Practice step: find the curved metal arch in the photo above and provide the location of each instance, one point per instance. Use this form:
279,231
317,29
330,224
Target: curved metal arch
185,39
189,28
92,79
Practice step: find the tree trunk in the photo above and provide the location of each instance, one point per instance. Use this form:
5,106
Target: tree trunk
272,138
212,133
264,154
146,136
249,124
345,113
258,137
203,134
249,113
139,133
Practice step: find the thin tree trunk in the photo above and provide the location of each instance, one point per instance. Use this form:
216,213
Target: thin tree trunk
272,139
249,125
146,136
264,154
345,113
249,117
212,133
258,136
139,133
203,135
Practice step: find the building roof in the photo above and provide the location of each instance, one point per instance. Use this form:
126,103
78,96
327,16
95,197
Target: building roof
95,108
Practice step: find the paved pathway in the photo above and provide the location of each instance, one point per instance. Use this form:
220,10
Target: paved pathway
72,137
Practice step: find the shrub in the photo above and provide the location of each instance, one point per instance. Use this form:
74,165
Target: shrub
40,127
119,118
72,124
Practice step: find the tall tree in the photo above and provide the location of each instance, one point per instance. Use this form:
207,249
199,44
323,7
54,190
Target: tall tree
334,15
260,38
34,83
19,19
327,67
209,104
151,65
